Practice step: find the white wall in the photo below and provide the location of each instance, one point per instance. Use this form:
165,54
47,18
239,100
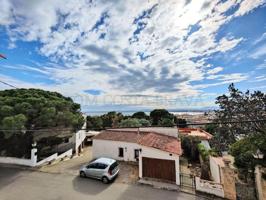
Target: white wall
55,157
156,153
209,187
33,161
108,148
16,161
215,170
78,138
21,161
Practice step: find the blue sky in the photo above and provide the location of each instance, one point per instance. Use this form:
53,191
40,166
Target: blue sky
128,55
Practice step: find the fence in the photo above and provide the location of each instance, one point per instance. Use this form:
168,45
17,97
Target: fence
74,146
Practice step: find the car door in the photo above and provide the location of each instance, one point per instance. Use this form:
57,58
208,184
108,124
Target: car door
99,170
95,170
90,170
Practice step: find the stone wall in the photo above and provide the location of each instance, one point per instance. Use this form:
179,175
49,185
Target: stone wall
245,191
228,180
209,187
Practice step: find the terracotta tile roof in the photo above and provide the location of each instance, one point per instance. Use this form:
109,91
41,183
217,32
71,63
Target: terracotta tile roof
154,140
195,132
162,142
124,136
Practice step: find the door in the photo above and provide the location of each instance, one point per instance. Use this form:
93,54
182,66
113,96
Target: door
94,170
159,169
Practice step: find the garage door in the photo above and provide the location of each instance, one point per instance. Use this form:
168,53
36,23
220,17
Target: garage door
158,168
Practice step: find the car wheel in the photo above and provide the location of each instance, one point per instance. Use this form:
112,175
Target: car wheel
105,180
82,174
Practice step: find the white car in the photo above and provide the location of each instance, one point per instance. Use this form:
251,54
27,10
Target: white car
105,169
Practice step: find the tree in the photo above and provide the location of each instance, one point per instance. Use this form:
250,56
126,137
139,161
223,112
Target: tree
6,111
111,119
239,107
181,123
211,128
144,122
42,109
245,150
47,117
140,115
190,147
22,109
94,123
167,122
205,155
131,122
13,124
157,114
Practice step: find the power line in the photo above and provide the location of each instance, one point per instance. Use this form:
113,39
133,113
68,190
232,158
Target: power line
225,122
71,129
8,84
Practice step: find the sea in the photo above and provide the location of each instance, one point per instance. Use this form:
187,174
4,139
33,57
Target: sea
129,113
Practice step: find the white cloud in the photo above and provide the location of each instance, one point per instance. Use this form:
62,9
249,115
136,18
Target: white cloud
259,52
260,39
5,10
175,56
259,78
223,79
215,70
247,6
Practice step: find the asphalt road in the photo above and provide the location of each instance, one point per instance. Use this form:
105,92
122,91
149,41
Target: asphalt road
18,184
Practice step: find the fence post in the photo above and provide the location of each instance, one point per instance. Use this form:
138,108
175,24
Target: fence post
34,154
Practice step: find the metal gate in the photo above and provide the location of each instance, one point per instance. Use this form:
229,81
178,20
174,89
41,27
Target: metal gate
187,180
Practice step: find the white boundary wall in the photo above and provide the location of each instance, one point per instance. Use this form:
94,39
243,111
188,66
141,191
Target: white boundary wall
16,161
209,187
33,161
215,170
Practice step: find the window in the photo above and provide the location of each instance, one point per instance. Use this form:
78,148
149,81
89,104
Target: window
136,153
92,166
113,166
101,166
120,152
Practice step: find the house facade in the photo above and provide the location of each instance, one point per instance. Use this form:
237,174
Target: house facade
157,154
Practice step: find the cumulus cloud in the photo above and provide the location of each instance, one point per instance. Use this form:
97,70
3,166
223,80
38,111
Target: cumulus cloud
144,47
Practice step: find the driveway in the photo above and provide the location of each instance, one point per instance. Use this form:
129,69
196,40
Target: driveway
70,166
128,172
17,184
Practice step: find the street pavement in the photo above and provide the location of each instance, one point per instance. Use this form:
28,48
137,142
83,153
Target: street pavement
20,184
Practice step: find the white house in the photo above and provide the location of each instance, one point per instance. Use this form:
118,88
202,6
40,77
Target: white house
157,154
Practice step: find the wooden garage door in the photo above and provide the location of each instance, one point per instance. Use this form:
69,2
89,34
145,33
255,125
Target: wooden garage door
158,168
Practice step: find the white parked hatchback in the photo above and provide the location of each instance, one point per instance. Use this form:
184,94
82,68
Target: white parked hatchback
105,169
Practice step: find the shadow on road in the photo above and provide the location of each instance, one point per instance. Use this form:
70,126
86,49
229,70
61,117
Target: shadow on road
88,186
